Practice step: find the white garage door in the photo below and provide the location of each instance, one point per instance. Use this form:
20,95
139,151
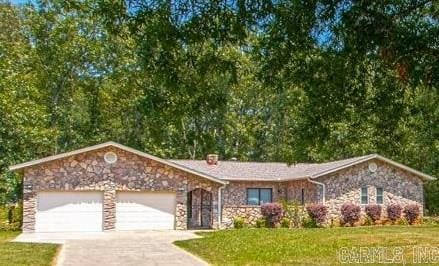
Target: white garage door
69,212
144,211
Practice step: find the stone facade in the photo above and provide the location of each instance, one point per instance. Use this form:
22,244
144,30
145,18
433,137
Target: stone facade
234,202
399,186
249,213
235,193
89,172
235,198
294,192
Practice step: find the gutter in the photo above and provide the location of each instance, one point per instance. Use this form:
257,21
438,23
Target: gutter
323,186
220,209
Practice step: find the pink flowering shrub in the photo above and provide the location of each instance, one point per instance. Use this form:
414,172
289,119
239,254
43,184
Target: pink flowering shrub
411,213
350,213
394,212
272,213
373,212
317,212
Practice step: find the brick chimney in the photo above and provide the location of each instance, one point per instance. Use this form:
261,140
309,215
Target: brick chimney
212,159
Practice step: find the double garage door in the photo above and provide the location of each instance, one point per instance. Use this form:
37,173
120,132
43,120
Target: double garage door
83,211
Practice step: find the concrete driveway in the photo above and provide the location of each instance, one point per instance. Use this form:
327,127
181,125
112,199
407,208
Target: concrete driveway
118,248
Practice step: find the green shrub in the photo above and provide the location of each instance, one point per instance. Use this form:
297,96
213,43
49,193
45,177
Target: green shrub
239,222
294,212
367,220
261,223
11,218
309,223
285,222
334,222
430,220
402,221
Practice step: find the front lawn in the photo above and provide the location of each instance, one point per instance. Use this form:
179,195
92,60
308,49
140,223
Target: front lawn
305,246
23,253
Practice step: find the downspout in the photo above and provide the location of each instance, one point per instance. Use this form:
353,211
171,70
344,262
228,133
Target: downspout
220,209
320,184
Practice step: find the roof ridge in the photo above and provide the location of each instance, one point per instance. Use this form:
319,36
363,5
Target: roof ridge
119,146
307,163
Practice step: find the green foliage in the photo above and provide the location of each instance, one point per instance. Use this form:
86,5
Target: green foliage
36,254
239,222
283,81
402,221
295,213
309,223
261,223
430,220
285,222
367,221
302,246
11,217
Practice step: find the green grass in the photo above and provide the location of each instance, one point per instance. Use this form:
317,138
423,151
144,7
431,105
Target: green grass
23,253
303,246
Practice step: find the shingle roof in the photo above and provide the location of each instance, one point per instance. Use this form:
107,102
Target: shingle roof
266,171
119,146
234,170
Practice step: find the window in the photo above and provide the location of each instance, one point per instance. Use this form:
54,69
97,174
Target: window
380,195
258,196
364,196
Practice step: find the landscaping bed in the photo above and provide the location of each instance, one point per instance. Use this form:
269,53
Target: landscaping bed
25,253
304,246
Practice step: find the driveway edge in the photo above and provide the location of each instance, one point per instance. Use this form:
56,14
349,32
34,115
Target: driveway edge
190,254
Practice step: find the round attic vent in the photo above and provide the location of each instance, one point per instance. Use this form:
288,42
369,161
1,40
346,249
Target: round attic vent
110,157
373,167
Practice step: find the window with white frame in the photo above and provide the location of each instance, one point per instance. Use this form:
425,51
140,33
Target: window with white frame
380,192
364,196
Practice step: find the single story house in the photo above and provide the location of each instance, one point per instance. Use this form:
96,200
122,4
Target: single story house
113,187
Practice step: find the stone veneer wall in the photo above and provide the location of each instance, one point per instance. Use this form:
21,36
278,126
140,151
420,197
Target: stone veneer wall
294,191
344,186
89,172
235,200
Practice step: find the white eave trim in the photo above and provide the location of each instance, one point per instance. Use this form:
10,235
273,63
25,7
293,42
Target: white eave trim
116,145
378,157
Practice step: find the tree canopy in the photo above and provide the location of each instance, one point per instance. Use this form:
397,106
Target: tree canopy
262,80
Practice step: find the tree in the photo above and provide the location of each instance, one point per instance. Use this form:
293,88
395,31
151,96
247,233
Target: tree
258,80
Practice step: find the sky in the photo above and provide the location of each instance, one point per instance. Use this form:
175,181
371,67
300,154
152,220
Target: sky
19,2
